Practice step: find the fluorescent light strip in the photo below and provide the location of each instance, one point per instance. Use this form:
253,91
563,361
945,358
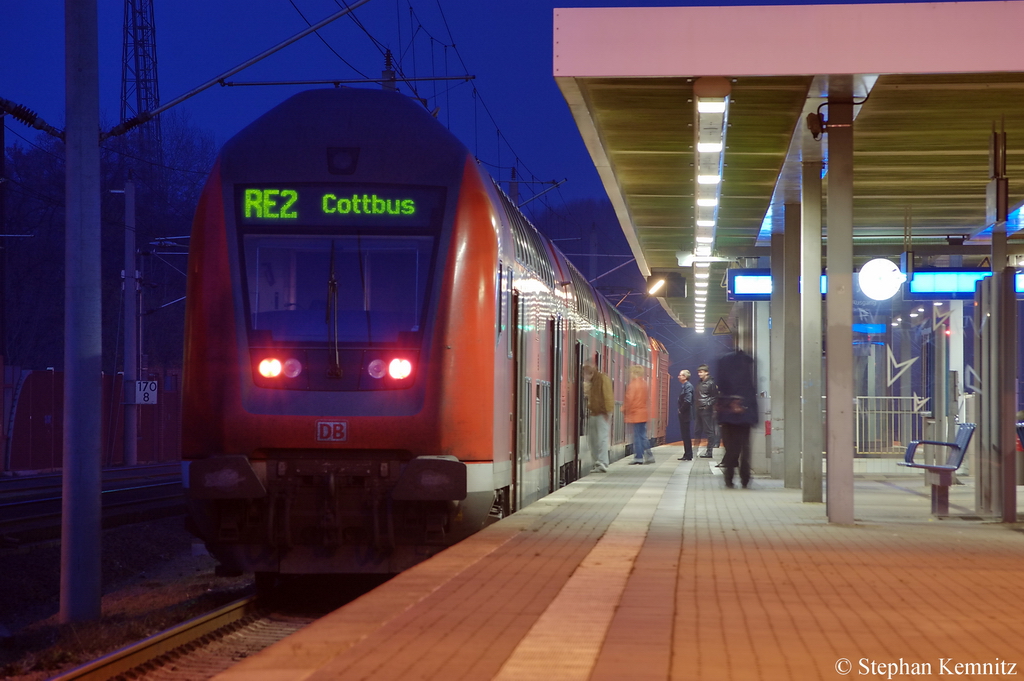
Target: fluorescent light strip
704,106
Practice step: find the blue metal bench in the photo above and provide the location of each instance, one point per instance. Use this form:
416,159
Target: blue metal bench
940,476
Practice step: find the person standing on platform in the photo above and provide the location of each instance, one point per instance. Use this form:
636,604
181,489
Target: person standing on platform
685,409
737,412
600,403
707,395
636,412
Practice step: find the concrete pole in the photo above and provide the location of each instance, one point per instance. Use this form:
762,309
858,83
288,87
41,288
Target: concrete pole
131,322
775,404
80,530
761,350
810,330
839,303
956,352
3,250
791,359
1008,395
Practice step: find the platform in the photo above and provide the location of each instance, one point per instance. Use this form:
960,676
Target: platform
660,572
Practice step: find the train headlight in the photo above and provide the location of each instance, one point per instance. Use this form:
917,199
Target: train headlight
400,368
377,368
270,368
292,367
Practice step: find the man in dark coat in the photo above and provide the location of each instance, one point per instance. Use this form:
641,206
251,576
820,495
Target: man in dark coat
737,412
685,409
707,396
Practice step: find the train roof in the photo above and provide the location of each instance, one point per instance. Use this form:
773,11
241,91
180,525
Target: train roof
391,137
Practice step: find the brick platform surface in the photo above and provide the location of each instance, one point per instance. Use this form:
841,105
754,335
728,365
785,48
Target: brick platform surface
660,572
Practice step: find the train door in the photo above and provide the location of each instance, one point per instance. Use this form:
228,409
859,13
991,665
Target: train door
555,406
572,374
521,398
557,361
581,400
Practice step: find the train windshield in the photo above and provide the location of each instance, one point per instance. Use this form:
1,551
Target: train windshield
350,289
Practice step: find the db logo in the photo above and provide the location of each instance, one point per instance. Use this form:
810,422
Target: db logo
331,431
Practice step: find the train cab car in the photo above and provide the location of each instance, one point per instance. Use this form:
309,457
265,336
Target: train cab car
381,354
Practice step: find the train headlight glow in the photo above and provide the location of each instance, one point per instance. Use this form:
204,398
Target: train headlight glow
292,367
400,368
270,368
377,368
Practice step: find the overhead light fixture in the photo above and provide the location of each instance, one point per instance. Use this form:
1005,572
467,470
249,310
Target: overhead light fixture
701,275
700,284
702,251
666,285
708,106
711,94
880,279
701,263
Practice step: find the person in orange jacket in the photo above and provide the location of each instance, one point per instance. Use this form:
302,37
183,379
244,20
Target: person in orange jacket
636,411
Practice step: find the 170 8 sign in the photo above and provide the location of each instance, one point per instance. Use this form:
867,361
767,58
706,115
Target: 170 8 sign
145,392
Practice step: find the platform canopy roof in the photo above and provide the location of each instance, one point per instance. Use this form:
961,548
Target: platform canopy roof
932,81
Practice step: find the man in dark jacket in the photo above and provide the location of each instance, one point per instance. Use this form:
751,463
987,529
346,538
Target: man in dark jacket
685,408
707,395
737,412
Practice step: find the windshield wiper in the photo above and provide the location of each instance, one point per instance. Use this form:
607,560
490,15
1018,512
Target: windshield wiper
333,352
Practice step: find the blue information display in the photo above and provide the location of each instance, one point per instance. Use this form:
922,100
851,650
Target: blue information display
938,284
325,205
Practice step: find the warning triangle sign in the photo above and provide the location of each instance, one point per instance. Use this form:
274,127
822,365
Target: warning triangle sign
721,328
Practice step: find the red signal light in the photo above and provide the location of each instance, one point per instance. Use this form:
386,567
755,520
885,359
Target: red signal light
400,368
270,368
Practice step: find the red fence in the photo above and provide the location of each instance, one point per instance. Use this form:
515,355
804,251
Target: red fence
34,419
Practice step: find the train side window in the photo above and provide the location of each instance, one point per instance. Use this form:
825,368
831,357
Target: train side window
499,304
526,420
507,307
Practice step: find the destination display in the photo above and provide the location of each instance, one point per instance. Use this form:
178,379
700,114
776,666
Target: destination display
323,205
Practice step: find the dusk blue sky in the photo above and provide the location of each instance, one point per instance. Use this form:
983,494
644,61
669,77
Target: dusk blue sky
505,45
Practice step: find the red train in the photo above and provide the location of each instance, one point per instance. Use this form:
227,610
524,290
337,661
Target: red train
381,354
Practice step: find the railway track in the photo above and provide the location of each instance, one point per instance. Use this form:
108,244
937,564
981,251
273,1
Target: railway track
30,507
198,649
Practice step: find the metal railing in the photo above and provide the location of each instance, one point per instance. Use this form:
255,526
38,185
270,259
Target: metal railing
886,424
